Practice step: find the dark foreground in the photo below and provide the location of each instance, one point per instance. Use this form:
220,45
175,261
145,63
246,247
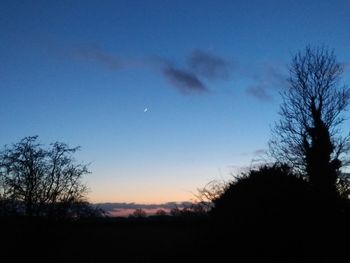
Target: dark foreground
172,240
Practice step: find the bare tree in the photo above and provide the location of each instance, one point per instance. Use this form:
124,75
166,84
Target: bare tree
308,134
209,193
139,213
42,181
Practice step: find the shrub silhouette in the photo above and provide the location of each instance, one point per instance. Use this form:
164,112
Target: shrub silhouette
276,214
269,195
139,213
161,212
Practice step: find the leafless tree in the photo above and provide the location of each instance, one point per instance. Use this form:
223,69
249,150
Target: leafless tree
308,134
209,193
139,213
42,181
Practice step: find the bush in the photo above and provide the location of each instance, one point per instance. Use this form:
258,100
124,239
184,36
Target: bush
270,194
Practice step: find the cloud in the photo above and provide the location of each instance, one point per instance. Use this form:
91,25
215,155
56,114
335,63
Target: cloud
259,92
209,65
266,82
200,65
96,54
185,81
125,209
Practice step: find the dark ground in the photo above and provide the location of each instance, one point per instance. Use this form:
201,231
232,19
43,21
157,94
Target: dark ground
172,240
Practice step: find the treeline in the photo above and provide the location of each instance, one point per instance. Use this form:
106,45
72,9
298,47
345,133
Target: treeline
308,156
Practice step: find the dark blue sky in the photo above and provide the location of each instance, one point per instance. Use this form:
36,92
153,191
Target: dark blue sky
208,73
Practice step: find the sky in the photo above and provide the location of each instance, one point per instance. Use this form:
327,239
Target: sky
162,96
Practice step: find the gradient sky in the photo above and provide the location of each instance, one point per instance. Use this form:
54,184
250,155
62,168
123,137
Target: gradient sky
163,96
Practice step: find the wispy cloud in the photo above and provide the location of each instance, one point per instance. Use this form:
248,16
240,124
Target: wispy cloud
259,92
98,55
125,209
209,65
266,82
185,81
199,65
188,79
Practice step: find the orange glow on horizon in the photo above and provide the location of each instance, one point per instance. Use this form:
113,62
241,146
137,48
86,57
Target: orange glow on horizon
143,192
155,198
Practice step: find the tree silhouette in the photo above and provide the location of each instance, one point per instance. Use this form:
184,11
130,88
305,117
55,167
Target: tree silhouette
269,193
161,212
275,213
139,213
209,193
308,135
42,181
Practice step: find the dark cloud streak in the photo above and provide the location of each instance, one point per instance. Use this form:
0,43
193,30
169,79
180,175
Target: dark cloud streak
185,81
209,65
266,82
188,80
116,206
97,55
259,92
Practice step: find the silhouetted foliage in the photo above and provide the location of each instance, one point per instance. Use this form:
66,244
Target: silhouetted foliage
199,209
308,135
277,214
209,193
176,211
161,212
343,185
268,193
194,210
42,181
139,213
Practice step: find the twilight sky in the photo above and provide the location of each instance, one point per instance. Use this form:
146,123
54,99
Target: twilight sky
163,96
